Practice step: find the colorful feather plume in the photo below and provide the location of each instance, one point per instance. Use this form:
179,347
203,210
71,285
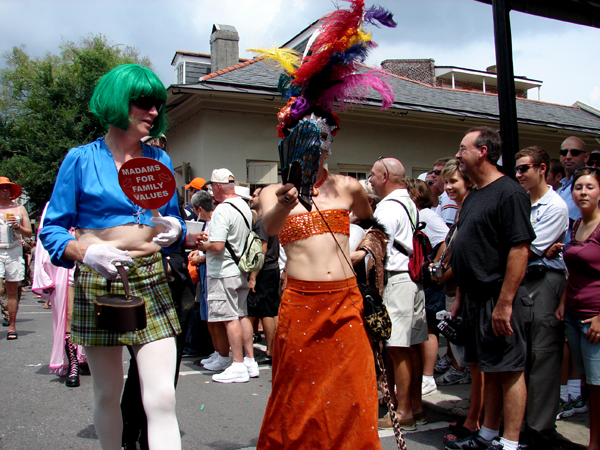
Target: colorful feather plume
329,71
279,58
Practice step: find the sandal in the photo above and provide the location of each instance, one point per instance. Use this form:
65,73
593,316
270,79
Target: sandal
458,432
12,335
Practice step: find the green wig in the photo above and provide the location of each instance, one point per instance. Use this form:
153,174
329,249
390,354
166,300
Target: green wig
116,90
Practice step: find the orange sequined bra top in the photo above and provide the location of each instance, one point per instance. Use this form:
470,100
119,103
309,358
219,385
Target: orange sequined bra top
304,225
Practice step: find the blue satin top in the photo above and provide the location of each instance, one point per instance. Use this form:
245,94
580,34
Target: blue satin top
87,195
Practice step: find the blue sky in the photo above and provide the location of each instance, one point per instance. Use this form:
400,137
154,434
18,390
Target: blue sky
453,32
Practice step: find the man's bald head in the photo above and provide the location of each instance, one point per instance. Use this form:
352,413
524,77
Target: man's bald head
387,175
573,155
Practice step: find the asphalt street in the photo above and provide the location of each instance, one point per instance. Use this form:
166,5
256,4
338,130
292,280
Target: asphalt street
39,412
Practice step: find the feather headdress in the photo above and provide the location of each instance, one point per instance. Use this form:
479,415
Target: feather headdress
328,73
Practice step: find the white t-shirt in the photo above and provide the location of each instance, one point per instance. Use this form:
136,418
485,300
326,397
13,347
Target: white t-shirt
435,227
446,209
227,224
396,222
550,221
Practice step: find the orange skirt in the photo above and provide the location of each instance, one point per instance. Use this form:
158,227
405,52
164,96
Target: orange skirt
324,392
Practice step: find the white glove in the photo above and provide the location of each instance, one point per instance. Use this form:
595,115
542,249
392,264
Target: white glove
171,233
101,258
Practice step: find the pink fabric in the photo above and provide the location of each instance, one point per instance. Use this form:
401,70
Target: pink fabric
583,262
48,277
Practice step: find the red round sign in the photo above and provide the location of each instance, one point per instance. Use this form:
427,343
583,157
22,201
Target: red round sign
147,182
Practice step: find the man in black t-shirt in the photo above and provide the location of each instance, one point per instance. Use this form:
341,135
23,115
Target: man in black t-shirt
264,298
489,259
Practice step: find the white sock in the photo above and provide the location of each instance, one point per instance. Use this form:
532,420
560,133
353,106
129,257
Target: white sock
248,360
238,366
429,379
574,387
564,393
487,434
509,445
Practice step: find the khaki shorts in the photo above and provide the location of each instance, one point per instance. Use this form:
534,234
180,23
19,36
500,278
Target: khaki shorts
227,298
12,264
405,302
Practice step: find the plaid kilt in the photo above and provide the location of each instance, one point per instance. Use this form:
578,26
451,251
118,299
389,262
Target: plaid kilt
147,280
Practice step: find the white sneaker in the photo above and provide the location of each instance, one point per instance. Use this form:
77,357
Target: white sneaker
213,357
233,374
219,364
252,367
428,387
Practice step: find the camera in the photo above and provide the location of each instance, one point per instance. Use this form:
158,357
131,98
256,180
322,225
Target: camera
436,270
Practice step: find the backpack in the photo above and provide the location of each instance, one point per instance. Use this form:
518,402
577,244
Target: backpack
419,261
252,258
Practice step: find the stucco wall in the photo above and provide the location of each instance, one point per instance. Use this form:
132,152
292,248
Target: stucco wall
214,138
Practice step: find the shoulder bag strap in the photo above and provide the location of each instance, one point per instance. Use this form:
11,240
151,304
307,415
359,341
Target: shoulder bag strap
396,244
227,244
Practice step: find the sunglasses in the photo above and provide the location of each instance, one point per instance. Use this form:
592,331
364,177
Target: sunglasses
525,167
434,172
574,152
593,164
147,103
596,170
380,159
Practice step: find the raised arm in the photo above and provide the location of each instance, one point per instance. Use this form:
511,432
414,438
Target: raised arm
277,201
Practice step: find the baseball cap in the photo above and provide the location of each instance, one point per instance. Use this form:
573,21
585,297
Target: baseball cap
197,183
594,156
222,176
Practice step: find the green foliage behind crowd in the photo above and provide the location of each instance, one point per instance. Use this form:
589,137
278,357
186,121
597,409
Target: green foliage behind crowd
44,109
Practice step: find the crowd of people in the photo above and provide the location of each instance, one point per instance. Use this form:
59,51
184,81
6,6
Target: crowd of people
515,260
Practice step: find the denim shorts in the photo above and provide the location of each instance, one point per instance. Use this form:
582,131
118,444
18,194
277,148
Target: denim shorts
586,356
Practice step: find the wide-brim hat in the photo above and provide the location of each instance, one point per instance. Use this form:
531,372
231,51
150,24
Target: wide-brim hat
15,189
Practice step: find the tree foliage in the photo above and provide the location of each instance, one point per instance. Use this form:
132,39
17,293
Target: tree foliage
44,108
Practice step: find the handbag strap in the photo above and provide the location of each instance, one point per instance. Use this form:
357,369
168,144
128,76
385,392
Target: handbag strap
124,279
388,400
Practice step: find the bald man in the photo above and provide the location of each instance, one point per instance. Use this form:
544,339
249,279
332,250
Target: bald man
403,297
573,156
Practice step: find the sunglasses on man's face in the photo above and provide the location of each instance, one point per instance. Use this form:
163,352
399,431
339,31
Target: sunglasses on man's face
593,163
435,172
147,103
525,167
574,152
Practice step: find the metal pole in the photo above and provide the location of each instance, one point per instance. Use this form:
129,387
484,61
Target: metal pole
507,102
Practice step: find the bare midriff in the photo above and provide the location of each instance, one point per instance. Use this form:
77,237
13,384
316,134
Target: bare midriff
137,239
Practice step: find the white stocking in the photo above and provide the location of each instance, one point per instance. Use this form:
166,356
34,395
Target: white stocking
106,366
156,363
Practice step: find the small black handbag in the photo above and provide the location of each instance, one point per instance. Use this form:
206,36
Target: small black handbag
118,312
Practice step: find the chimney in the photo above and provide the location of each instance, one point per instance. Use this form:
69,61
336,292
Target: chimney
224,48
492,69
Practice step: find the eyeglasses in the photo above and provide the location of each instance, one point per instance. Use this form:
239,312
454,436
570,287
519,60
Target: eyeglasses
593,163
525,167
434,172
380,159
574,152
147,103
